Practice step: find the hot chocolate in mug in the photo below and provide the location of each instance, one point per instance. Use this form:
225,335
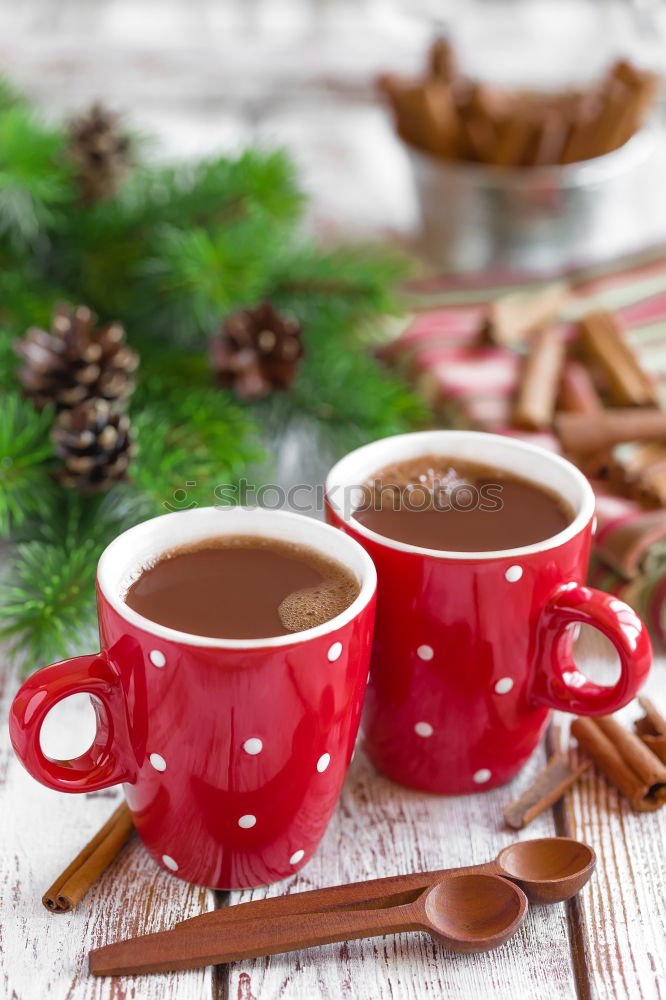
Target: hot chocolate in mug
232,751
472,649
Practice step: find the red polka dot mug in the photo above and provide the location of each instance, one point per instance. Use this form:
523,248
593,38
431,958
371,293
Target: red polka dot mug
471,650
232,752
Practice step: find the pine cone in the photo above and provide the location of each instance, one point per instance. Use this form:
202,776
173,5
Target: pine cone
94,444
257,351
75,362
101,153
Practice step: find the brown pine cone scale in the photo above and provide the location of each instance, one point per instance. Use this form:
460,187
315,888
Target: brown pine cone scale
76,362
94,444
101,153
257,351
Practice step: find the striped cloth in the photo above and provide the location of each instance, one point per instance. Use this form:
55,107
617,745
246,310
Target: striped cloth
473,385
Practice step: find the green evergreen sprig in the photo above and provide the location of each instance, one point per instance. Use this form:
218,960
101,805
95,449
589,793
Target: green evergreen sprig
25,463
169,256
35,179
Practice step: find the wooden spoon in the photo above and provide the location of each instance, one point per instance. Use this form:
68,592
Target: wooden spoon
464,912
548,870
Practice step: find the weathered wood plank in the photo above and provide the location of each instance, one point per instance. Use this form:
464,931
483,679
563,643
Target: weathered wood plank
625,907
43,954
382,829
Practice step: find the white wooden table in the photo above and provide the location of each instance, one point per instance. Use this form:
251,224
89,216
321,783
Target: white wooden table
210,74
608,943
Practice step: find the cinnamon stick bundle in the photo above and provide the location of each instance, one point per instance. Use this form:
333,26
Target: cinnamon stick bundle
539,381
512,318
549,786
651,729
72,885
582,433
605,344
625,760
511,128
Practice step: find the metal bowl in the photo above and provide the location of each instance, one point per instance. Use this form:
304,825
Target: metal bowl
537,219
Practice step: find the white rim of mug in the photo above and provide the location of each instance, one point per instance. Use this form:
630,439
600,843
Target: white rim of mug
582,518
110,584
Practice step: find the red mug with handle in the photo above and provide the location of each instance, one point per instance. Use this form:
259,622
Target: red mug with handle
472,649
232,751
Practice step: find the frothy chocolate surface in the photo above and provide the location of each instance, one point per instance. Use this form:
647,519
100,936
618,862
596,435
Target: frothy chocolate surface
242,587
439,502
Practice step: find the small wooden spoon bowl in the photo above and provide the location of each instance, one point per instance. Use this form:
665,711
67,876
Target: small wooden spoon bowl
473,913
548,870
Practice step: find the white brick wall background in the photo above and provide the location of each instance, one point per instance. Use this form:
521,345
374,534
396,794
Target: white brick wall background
204,75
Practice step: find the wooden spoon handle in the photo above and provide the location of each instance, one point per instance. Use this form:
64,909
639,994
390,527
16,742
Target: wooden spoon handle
364,895
188,948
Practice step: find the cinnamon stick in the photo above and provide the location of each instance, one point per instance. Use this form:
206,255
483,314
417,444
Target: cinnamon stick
651,729
512,318
596,464
425,116
550,139
582,433
517,137
631,460
639,471
72,885
539,381
581,116
605,344
578,392
480,111
549,786
625,760
606,130
642,86
442,60
650,488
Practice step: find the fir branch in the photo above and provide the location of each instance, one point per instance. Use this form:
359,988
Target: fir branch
95,518
196,278
25,298
219,191
345,283
112,252
26,454
192,437
170,256
50,600
9,361
351,395
48,605
35,181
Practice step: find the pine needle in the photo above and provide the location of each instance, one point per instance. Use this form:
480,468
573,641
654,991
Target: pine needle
25,454
35,183
170,256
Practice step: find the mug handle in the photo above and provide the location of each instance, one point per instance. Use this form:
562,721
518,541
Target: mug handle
102,764
558,683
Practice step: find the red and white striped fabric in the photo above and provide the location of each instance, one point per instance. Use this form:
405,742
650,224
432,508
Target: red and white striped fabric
470,384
